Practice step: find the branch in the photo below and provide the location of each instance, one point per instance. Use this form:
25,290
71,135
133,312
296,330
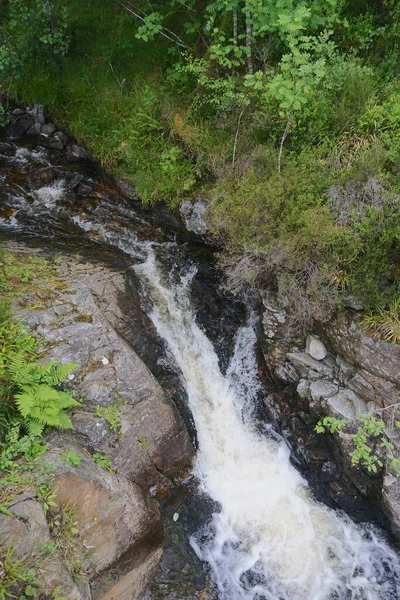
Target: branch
285,134
164,31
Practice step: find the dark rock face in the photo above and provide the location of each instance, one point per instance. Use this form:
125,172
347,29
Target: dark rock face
358,375
20,126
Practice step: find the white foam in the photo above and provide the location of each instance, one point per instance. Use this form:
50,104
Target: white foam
270,539
49,195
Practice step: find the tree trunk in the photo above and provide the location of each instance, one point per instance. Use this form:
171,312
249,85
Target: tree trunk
248,41
235,27
285,134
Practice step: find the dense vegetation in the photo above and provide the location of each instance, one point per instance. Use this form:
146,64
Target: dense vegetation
285,112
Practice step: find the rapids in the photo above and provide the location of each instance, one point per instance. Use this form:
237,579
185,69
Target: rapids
268,539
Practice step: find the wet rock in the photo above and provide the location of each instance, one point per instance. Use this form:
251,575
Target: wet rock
193,215
20,126
329,471
153,440
391,502
48,129
76,153
35,129
56,143
315,348
74,181
47,176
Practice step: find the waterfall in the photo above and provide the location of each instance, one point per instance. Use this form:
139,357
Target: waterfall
269,540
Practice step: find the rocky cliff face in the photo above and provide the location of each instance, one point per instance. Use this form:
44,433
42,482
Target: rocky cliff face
340,371
124,414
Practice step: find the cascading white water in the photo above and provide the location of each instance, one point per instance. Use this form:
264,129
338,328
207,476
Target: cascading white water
270,539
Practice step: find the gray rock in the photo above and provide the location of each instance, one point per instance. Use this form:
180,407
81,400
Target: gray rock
126,189
27,528
74,181
303,389
20,126
17,112
353,302
375,356
303,363
193,215
315,348
391,502
287,373
76,153
346,370
93,432
322,389
48,129
56,144
114,514
346,404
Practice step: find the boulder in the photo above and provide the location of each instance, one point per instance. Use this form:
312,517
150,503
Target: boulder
303,389
48,129
27,528
193,215
115,515
322,389
20,126
345,404
153,440
315,348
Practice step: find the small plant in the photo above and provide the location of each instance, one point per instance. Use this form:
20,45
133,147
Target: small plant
17,580
112,415
370,432
144,441
46,493
384,323
72,458
103,461
64,529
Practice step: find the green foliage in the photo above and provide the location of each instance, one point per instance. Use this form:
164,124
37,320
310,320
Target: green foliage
102,460
384,323
37,400
369,435
72,458
64,528
17,579
112,414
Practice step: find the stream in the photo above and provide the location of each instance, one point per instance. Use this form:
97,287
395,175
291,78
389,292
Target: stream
269,538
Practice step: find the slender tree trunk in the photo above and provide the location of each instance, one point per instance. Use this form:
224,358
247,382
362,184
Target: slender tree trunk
285,134
248,41
235,27
236,137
